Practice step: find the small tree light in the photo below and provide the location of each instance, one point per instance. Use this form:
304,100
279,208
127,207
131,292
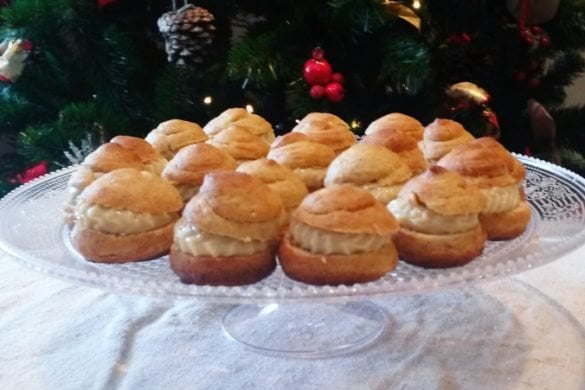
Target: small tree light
355,124
416,4
207,100
250,108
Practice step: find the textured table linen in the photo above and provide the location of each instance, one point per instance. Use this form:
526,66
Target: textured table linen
521,332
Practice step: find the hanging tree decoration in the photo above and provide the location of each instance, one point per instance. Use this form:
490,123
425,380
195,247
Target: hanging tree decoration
188,33
318,73
13,55
469,97
533,11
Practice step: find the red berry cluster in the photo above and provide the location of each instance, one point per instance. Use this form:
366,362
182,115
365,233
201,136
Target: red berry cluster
530,73
319,75
534,36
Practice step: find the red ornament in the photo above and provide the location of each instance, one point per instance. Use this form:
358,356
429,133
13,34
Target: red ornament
459,38
317,70
544,41
334,92
526,37
317,91
338,78
33,172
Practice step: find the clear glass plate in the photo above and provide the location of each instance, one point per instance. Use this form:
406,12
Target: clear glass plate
32,232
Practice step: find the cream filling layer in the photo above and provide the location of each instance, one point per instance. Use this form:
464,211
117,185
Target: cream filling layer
501,199
423,220
383,194
114,221
197,243
324,242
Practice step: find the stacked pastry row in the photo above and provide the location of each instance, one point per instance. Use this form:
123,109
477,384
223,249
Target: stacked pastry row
224,199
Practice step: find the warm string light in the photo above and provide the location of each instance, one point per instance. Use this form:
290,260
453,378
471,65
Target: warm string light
416,4
355,124
207,100
250,108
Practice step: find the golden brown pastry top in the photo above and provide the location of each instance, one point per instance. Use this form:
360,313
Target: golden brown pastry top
288,138
391,139
240,143
141,147
443,130
400,122
485,161
172,135
239,197
303,154
366,163
344,208
193,162
133,190
253,123
401,143
279,178
327,129
444,192
110,156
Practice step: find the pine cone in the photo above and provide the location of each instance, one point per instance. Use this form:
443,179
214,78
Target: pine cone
188,33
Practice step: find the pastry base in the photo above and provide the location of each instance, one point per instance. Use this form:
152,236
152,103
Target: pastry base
508,224
223,270
307,267
439,250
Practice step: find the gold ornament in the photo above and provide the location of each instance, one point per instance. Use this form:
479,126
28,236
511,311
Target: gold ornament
405,13
469,91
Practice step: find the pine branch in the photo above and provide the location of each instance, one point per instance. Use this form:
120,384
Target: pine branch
405,58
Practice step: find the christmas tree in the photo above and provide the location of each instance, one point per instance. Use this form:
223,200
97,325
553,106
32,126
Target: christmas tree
75,73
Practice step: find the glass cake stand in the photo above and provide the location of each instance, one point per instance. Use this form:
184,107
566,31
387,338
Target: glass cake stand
278,315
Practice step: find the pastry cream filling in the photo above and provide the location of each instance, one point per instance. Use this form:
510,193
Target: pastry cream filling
115,221
423,220
324,242
312,177
383,194
187,191
501,198
197,243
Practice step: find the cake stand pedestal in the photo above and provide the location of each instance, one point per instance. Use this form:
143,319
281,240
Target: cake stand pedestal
305,330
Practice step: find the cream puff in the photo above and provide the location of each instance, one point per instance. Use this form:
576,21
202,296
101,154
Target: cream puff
187,169
153,161
106,158
253,123
398,122
306,158
339,235
400,143
239,143
280,179
438,212
441,136
499,175
228,232
125,215
327,129
170,136
371,167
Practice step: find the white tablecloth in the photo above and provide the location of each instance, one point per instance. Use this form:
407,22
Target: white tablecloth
521,332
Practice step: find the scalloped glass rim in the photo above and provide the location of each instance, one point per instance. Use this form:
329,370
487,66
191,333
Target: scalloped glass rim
556,196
